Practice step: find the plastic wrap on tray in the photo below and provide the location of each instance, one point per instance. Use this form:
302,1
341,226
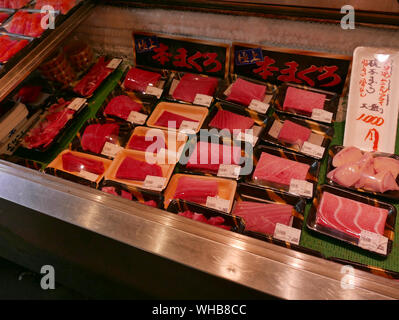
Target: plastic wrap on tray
300,135
206,215
306,102
79,167
286,171
369,172
361,221
10,45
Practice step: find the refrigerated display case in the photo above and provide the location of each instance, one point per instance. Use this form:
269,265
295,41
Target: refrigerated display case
104,246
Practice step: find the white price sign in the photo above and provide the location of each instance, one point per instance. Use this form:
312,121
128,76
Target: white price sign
301,188
312,150
88,175
188,125
218,203
155,91
114,63
322,115
247,138
258,106
287,233
154,183
373,242
229,171
137,117
77,103
203,100
111,149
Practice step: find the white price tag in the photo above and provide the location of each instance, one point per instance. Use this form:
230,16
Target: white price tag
114,63
247,137
88,175
154,183
218,203
258,106
287,233
188,125
373,242
167,156
203,99
229,171
111,149
77,103
322,115
155,91
137,117
301,188
312,150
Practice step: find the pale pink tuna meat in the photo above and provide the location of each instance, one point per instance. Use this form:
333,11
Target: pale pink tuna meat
303,100
346,175
385,163
381,182
263,217
279,170
350,216
347,155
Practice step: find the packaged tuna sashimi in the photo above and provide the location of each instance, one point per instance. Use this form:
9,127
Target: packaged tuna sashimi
13,4
355,219
206,215
5,14
283,170
11,46
79,167
310,103
300,135
373,173
64,6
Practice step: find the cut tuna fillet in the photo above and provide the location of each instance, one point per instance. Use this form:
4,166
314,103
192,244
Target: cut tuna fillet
9,47
243,92
231,121
147,143
171,120
133,169
350,216
151,203
59,5
121,107
3,16
191,84
112,190
139,79
279,170
95,136
26,23
384,163
13,4
195,190
215,221
303,101
347,155
74,163
263,217
294,133
209,156
381,182
29,94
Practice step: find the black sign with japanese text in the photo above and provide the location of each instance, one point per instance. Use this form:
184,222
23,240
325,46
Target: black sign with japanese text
319,70
181,54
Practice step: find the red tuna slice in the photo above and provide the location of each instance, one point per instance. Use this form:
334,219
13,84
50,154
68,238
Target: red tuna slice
195,190
95,136
279,170
381,182
303,101
74,163
29,93
243,92
350,216
384,163
171,120
347,155
294,133
121,106
133,169
126,195
147,143
139,79
231,121
151,203
187,214
263,217
3,16
8,47
110,190
190,85
209,156
214,221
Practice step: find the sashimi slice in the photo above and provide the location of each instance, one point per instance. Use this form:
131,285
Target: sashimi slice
96,135
195,190
112,190
279,170
231,121
346,175
243,92
385,163
133,169
74,163
121,107
215,221
190,85
303,101
347,155
147,143
381,182
263,217
294,133
150,203
139,79
171,120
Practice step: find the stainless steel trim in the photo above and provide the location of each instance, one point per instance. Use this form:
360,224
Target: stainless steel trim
262,266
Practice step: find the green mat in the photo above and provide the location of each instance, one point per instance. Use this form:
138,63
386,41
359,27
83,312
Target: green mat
334,248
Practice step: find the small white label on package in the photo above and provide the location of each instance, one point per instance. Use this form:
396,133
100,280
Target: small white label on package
111,149
203,99
188,125
137,117
301,188
88,175
258,106
77,103
312,150
322,115
287,233
229,171
218,204
373,242
154,183
247,137
167,156
114,63
155,91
